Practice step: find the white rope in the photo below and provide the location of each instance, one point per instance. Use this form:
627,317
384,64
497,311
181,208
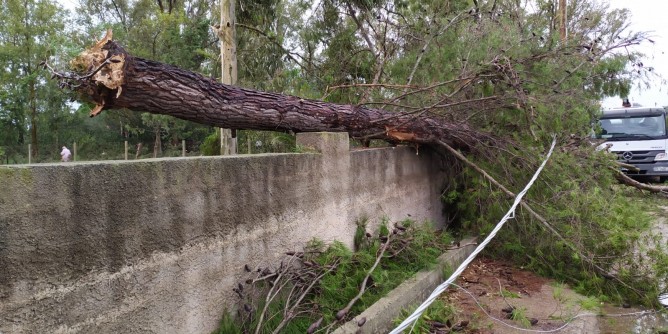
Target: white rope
439,289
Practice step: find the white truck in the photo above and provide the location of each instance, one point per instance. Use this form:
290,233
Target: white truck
638,136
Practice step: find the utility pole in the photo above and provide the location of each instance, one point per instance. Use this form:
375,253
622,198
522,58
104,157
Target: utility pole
563,33
227,36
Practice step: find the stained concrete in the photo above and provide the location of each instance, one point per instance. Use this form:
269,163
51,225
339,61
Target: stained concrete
155,246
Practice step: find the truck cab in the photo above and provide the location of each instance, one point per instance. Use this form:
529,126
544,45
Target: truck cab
638,136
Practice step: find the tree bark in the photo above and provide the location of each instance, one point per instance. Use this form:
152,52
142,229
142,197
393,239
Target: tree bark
623,178
115,79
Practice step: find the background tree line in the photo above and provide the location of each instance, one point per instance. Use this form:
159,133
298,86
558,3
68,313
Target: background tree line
33,110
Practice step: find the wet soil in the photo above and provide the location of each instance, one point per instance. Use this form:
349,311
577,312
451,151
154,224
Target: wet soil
540,304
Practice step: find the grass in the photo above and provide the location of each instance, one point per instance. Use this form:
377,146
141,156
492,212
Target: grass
558,292
519,315
590,303
509,294
439,312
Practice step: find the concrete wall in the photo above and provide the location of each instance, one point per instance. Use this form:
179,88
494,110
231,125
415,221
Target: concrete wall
155,246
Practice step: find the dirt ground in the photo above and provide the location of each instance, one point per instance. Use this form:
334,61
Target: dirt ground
541,305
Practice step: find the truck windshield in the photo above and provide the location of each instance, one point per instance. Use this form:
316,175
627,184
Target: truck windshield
646,127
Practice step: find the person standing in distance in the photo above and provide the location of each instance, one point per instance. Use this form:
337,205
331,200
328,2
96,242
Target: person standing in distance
65,154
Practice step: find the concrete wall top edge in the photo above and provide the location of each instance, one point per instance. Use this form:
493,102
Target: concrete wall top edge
151,160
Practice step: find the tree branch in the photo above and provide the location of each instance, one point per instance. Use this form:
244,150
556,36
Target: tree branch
273,41
342,313
661,190
540,218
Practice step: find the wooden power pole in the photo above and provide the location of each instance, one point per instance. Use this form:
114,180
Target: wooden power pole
227,36
563,33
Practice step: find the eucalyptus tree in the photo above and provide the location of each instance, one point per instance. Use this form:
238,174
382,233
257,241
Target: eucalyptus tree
31,32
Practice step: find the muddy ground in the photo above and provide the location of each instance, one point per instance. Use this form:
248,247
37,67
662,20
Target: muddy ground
542,305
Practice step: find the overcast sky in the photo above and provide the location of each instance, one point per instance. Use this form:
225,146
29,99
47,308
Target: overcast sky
650,16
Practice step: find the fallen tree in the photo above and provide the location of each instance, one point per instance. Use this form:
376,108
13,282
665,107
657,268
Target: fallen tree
111,78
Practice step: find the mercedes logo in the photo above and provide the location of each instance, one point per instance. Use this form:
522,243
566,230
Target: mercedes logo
627,155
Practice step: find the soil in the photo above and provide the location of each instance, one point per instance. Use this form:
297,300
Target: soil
541,304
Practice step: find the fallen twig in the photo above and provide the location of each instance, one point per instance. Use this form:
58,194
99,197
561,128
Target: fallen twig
628,166
502,295
289,313
661,190
270,296
342,313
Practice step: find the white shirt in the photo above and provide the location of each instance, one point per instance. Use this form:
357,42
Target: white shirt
65,154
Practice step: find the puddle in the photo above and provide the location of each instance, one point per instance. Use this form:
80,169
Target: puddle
663,299
636,324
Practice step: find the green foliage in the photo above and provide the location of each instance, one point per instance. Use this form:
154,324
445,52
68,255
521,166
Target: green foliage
227,325
590,304
34,110
438,311
211,144
31,32
338,287
558,292
519,315
578,194
509,294
360,239
384,230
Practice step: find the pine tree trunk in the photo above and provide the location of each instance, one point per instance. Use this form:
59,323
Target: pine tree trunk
159,88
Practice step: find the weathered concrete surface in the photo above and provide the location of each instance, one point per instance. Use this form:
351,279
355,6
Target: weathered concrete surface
155,246
380,316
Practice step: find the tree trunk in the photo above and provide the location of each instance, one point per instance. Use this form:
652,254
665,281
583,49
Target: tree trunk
119,80
227,36
33,120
